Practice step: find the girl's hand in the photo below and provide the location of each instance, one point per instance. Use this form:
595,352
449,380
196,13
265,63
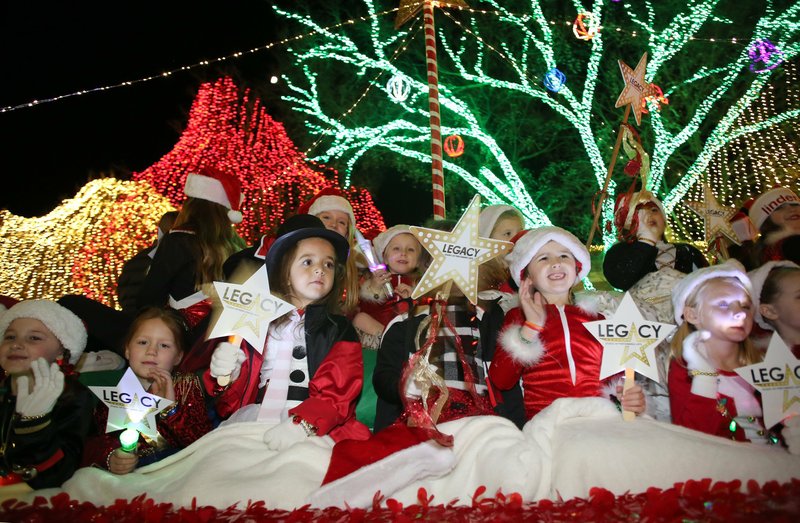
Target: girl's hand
531,302
121,462
227,361
48,384
403,290
162,383
633,399
378,279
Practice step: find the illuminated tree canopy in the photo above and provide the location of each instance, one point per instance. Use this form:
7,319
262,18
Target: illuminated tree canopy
547,153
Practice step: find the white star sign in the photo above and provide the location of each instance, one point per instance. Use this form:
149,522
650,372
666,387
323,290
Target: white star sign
629,341
248,309
130,406
778,380
457,254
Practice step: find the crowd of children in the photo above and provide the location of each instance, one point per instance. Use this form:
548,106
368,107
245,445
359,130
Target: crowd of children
352,342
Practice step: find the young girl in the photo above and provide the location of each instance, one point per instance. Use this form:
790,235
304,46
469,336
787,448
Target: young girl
336,213
154,346
309,376
776,214
776,301
499,222
45,414
715,315
543,340
402,253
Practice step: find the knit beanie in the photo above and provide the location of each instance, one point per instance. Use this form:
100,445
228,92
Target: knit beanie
63,323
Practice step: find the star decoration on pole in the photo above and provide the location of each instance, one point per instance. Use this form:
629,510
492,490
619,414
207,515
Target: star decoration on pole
409,8
248,309
629,340
457,254
778,380
715,216
130,406
636,89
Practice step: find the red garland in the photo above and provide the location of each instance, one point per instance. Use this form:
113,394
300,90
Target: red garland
692,500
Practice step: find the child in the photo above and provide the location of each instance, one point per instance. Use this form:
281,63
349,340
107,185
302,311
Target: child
776,214
546,263
715,315
499,222
154,346
776,300
309,376
45,414
402,253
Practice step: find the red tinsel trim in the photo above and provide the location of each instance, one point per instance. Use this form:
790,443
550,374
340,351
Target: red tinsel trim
692,500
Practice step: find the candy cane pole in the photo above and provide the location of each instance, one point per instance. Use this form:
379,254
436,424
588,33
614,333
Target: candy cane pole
437,176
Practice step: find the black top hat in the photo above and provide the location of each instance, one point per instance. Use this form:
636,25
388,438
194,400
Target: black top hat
298,228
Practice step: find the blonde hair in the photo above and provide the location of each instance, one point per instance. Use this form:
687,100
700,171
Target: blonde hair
748,354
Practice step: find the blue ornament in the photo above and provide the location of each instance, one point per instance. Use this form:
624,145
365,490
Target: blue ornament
554,80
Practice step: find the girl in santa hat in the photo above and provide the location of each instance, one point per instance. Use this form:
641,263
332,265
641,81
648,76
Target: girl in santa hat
715,315
776,302
45,413
499,222
776,215
308,377
155,344
543,341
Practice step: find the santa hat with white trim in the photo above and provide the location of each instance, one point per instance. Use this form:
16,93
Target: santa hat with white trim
532,241
382,240
758,277
768,202
328,199
219,187
684,288
62,322
489,216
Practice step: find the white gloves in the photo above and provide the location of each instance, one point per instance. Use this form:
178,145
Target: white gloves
284,435
791,434
48,384
704,374
227,360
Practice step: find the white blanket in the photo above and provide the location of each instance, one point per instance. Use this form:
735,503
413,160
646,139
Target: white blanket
573,445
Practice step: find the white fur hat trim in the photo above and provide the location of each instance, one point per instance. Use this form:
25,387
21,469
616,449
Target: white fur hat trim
382,240
489,216
330,202
685,287
62,322
532,241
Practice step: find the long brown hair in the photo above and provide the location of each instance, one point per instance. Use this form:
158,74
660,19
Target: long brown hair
216,237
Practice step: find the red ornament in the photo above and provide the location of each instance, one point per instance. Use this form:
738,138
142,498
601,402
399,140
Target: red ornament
454,146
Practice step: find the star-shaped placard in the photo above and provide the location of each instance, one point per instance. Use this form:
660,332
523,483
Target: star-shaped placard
778,380
248,309
636,89
457,254
629,340
716,217
130,406
409,8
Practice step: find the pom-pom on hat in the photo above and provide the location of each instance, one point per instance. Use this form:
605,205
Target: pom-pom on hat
532,241
758,277
625,208
489,216
382,240
328,199
300,227
766,204
62,322
219,187
684,288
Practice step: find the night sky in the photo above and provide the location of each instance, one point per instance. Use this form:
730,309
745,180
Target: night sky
55,48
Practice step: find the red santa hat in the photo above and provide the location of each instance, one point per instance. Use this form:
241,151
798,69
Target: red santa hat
328,199
62,322
625,208
684,288
382,240
533,240
758,277
489,216
766,204
219,187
